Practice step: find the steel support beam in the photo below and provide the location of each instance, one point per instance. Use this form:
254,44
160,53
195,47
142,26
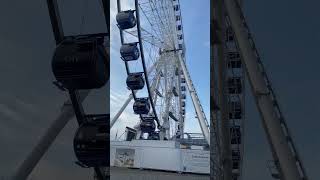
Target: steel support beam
196,103
46,140
224,125
271,122
181,117
115,118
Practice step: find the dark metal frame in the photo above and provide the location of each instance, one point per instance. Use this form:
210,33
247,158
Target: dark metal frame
59,37
142,59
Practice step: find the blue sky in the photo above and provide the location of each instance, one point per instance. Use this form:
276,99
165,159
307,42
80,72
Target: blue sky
196,22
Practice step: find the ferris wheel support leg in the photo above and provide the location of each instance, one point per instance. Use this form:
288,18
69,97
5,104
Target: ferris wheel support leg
46,140
271,122
195,101
156,88
181,117
115,118
166,125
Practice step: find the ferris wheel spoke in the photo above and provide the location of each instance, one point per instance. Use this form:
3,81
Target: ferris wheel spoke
147,37
158,18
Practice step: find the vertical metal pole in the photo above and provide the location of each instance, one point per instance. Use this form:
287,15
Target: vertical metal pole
168,98
181,118
224,128
215,150
166,125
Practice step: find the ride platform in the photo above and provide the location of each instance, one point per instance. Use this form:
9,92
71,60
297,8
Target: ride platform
168,156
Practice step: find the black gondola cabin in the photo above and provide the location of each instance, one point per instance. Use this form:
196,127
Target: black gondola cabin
135,81
91,144
129,52
154,136
147,126
81,63
141,106
126,19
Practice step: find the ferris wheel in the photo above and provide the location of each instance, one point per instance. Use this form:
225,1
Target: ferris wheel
153,51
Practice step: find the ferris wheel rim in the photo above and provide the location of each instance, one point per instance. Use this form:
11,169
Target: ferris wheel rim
143,63
174,105
161,55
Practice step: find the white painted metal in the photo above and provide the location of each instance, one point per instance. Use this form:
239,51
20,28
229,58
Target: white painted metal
169,82
196,102
124,106
165,117
272,125
181,117
156,87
